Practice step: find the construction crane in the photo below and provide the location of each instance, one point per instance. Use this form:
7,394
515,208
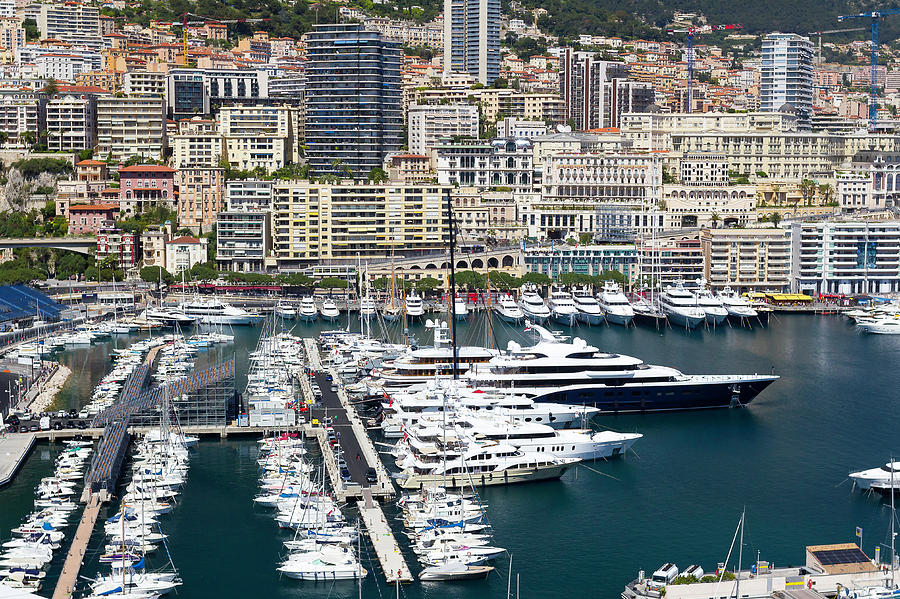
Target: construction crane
691,32
829,32
873,77
203,20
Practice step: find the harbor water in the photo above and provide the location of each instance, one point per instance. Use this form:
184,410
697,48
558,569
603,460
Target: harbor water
677,498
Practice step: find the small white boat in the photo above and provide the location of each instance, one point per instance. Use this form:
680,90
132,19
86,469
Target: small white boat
883,325
736,306
329,563
454,569
710,304
508,310
367,308
330,311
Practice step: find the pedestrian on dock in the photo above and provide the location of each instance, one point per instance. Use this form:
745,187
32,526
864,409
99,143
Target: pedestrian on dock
358,457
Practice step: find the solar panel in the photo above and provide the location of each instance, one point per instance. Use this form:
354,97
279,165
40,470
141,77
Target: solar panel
832,557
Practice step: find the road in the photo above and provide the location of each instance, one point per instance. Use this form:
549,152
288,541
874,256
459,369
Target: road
331,405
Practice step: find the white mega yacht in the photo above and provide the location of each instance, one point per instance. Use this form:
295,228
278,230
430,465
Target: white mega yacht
533,306
330,311
680,306
615,305
508,310
286,311
307,311
887,324
415,308
864,479
576,373
710,304
562,307
736,306
589,311
367,307
215,311
168,315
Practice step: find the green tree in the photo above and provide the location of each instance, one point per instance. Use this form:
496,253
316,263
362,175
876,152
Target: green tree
51,88
427,284
381,283
775,219
152,274
378,175
31,30
585,238
574,278
70,264
296,279
28,138
503,280
807,191
333,283
537,278
203,271
469,279
612,275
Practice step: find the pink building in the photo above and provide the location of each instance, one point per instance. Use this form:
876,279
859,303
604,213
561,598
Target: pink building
144,185
124,246
90,218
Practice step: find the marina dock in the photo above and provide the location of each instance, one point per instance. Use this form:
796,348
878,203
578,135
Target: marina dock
72,566
392,562
14,448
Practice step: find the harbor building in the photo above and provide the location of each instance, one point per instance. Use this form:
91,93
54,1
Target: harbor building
670,258
318,223
845,257
787,74
472,38
583,259
354,110
747,259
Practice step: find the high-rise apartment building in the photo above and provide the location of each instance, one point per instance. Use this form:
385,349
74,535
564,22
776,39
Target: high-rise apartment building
129,127
353,100
472,38
71,22
787,74
429,124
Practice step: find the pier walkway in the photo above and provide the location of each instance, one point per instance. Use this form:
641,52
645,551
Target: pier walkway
69,575
14,448
312,354
392,562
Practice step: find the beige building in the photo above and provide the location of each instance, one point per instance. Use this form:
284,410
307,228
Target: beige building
747,259
198,143
201,196
317,223
153,244
257,136
491,214
131,127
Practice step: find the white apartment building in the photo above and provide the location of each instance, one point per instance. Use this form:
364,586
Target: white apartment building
747,259
184,252
708,206
870,182
256,136
243,240
787,74
497,163
201,193
72,22
145,84
70,123
248,195
131,127
19,112
428,124
62,67
606,177
519,128
198,143
845,257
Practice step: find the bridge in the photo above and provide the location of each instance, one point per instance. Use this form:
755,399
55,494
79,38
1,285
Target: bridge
82,245
509,259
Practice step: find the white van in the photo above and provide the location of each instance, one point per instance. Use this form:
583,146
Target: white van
663,576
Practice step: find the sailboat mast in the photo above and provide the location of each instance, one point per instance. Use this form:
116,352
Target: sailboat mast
452,286
893,559
737,588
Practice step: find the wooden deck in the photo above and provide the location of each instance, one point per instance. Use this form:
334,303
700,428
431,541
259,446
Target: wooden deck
65,586
393,564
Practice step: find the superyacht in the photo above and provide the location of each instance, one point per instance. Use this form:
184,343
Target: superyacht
533,306
680,306
562,307
615,305
214,311
579,374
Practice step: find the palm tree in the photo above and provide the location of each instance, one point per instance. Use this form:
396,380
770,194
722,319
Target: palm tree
826,193
715,219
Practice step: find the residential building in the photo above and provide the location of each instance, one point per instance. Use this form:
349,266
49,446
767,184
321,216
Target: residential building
145,84
12,34
131,127
91,170
197,143
192,92
516,128
747,259
144,186
692,206
243,240
787,74
871,181
478,163
317,223
472,38
186,94
182,253
72,22
61,66
248,195
430,123
256,136
153,244
353,100
583,259
482,214
71,122
20,111
85,219
121,244
848,257
670,258
201,193
607,177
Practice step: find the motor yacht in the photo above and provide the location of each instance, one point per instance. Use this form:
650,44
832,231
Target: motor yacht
737,307
508,310
330,311
710,304
168,316
461,308
888,324
367,308
864,479
308,311
215,311
533,306
589,311
576,373
615,305
562,308
415,308
680,306
286,311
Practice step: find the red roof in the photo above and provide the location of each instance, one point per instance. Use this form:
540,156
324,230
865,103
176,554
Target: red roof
87,89
185,239
147,168
90,163
93,207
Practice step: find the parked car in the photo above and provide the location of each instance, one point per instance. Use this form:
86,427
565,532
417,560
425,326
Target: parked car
371,475
345,473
